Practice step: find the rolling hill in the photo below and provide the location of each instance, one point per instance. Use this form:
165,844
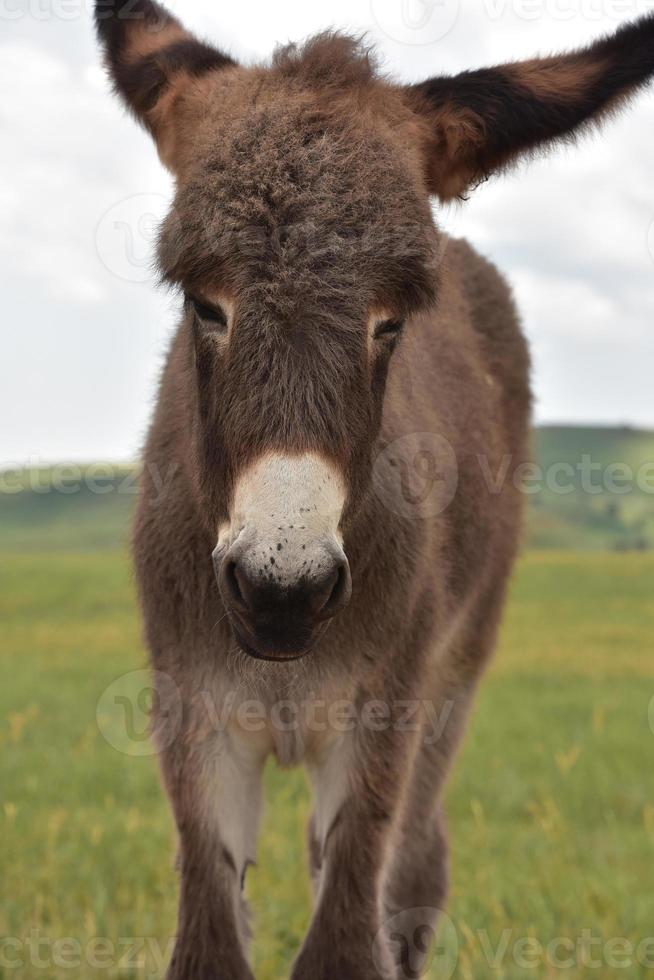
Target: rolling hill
597,489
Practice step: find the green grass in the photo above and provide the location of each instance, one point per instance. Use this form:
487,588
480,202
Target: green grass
550,807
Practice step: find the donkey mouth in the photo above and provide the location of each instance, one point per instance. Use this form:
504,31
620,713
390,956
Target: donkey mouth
272,651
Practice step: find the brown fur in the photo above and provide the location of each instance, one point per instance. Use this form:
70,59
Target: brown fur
302,194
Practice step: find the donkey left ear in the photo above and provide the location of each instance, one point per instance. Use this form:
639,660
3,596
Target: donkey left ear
481,122
151,59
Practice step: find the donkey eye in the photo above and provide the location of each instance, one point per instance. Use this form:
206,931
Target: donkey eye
388,328
214,315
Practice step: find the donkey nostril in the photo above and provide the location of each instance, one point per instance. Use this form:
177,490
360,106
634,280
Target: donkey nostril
234,584
339,594
263,603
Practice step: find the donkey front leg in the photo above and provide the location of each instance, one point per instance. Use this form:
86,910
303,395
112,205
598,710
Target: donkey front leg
215,789
358,787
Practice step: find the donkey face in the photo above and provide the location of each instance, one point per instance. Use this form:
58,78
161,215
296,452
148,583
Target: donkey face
301,236
302,249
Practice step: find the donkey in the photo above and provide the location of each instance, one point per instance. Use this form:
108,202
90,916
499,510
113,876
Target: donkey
339,371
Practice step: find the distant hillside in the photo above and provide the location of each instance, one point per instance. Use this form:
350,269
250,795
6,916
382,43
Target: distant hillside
593,488
597,489
70,508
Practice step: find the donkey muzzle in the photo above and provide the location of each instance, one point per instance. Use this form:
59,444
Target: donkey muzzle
276,615
280,564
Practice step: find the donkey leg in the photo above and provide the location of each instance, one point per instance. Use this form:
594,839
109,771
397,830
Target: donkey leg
416,878
357,792
215,789
415,890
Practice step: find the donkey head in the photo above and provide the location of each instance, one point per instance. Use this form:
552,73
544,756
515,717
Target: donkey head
302,238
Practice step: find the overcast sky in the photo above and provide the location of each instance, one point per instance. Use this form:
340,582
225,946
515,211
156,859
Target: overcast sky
83,326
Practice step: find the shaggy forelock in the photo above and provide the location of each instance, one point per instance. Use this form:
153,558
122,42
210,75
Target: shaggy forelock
328,60
302,196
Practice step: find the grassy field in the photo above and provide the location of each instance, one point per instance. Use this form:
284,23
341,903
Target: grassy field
551,806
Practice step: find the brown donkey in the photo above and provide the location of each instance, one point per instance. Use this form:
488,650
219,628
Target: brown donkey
336,353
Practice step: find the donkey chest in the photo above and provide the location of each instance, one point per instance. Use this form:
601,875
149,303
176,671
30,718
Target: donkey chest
295,727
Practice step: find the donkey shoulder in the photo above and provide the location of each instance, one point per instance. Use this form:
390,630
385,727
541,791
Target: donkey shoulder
493,316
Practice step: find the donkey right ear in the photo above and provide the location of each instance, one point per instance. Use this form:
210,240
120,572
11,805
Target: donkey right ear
151,58
482,122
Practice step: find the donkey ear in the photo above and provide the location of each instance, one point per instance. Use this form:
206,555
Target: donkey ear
151,58
481,122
